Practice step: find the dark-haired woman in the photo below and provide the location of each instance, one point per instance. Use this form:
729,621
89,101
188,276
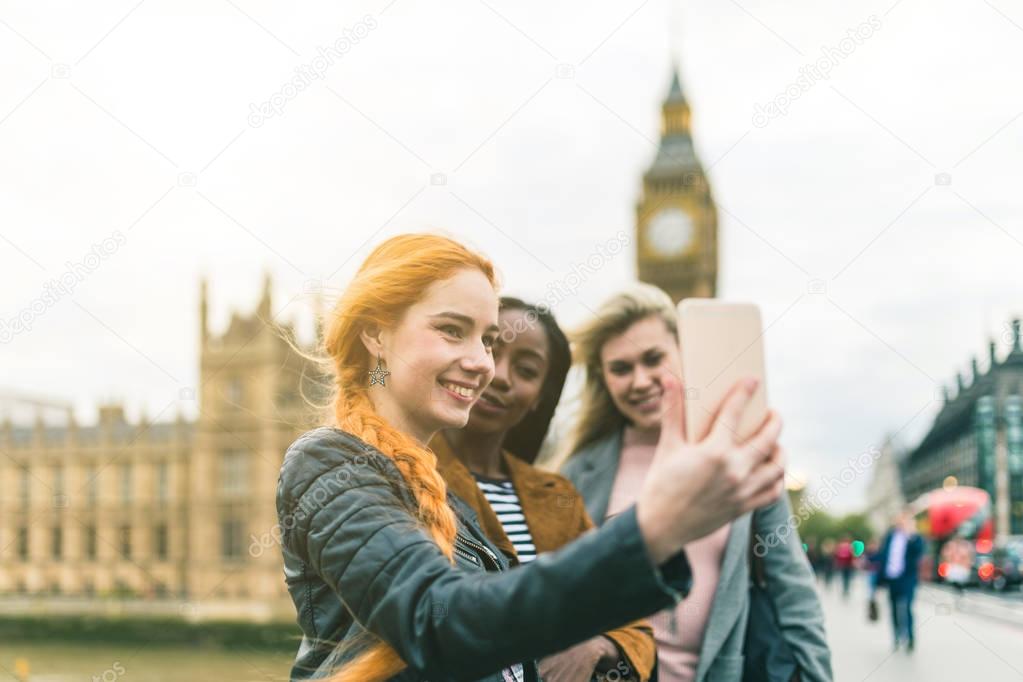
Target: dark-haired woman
524,510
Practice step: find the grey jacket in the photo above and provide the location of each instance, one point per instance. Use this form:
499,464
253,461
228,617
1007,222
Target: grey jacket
356,559
790,579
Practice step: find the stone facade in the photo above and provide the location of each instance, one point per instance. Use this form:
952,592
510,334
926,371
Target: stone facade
176,509
977,438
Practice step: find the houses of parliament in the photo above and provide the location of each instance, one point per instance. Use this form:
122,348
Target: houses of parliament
183,510
164,509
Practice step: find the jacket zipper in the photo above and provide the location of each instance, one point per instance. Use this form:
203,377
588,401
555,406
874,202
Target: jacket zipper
467,555
484,551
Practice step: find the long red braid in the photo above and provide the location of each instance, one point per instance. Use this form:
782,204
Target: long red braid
393,277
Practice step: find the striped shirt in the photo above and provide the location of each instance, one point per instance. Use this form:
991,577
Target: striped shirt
500,493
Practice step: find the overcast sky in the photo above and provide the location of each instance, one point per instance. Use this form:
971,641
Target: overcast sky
876,220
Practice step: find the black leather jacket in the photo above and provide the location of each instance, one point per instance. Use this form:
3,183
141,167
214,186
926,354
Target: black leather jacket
355,559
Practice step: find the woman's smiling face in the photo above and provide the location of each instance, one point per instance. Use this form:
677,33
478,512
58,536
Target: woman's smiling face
521,358
439,355
633,364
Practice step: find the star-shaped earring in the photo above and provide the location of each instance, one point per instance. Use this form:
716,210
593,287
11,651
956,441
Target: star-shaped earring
378,374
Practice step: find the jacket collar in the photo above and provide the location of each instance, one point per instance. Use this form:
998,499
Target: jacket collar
548,500
731,594
549,503
461,483
598,464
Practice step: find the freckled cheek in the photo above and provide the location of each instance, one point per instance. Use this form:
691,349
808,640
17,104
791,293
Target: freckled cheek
424,362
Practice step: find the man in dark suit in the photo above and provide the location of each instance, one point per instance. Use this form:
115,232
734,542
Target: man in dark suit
899,560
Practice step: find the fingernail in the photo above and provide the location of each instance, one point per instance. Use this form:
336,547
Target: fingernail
751,384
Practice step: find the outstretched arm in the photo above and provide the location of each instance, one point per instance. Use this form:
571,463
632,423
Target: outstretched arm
343,514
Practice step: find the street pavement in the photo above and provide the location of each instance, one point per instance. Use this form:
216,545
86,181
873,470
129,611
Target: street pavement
976,638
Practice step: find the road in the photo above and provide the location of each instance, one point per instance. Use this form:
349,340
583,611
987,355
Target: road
977,638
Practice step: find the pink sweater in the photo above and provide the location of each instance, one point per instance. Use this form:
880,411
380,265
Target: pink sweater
678,630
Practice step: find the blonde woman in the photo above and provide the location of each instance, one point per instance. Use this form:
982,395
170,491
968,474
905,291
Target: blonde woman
630,353
391,576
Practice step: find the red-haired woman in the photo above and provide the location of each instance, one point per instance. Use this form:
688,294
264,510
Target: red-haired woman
391,576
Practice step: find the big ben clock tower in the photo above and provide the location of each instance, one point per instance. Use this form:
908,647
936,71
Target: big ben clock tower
676,221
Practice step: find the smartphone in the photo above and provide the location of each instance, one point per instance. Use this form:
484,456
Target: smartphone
720,343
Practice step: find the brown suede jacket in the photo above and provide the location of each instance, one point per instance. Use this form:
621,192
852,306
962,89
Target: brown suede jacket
555,515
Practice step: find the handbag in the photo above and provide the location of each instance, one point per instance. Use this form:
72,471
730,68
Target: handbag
767,657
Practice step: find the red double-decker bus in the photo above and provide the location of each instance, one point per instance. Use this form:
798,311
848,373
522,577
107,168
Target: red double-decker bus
958,524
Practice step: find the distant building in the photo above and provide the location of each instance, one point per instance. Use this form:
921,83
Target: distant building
676,219
176,509
977,438
884,495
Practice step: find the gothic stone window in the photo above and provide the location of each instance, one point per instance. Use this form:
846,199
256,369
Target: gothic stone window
232,538
23,543
233,473
125,533
90,542
126,483
57,550
162,482
160,540
24,486
92,485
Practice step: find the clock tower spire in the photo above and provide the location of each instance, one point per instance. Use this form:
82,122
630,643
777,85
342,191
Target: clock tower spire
676,220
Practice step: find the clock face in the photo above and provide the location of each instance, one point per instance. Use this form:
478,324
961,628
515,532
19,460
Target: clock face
670,232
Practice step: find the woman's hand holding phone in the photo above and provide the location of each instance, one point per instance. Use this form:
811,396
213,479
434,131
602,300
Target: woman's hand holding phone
694,488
